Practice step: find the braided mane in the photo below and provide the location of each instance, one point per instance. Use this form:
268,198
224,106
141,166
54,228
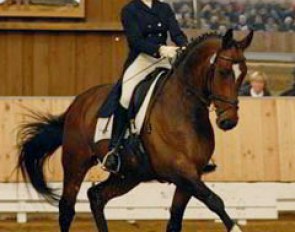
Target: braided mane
194,44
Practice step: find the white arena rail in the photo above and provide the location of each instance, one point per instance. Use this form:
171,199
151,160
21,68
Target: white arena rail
151,201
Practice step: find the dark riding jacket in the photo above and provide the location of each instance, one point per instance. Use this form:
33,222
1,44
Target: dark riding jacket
147,28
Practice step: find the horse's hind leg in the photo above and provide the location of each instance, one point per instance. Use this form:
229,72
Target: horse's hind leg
75,169
100,194
179,203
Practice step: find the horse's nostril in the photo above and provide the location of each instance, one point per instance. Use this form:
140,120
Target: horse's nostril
227,124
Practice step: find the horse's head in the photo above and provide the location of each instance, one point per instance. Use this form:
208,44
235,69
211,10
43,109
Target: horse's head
227,71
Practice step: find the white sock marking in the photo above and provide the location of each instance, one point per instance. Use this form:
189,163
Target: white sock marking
236,228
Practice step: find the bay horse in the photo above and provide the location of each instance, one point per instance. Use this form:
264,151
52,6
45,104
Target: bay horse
178,146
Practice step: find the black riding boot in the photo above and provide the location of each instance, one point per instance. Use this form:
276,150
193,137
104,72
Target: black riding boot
111,161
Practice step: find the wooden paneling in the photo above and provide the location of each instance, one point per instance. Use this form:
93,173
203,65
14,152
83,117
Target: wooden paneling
100,15
36,63
263,41
58,63
261,148
64,57
39,9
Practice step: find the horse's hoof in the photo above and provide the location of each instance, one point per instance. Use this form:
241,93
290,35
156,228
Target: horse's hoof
236,228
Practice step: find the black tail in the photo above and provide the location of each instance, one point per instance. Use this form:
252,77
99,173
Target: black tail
38,141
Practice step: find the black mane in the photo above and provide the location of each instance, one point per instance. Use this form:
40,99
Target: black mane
194,44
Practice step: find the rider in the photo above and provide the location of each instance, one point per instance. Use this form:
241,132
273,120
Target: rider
146,24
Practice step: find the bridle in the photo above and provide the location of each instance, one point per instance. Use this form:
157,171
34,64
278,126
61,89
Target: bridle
206,100
210,78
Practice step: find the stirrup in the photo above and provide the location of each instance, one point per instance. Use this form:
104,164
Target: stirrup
105,158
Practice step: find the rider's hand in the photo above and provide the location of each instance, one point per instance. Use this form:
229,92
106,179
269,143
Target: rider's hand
168,51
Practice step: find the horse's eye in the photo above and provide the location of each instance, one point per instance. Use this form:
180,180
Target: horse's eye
224,72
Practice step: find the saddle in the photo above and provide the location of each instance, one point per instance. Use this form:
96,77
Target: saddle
140,93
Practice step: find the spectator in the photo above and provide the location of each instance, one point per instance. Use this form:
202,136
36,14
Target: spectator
230,12
258,24
287,25
256,87
184,14
222,29
271,25
290,92
188,21
206,12
214,23
241,14
252,15
205,25
242,25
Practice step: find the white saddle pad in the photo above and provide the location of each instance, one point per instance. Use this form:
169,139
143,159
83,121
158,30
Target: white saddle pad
104,125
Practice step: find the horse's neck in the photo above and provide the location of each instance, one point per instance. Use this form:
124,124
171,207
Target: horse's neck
196,69
181,107
178,101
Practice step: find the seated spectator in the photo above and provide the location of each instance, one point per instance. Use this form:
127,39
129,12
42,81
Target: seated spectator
290,92
242,24
214,23
206,12
222,29
271,25
258,24
184,14
288,25
204,24
269,15
230,12
256,87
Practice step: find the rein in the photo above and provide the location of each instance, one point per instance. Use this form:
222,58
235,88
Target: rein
143,70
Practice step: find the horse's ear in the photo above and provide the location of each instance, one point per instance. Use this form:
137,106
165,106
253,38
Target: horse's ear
245,43
227,39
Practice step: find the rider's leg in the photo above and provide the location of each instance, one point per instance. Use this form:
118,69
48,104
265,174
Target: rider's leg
132,77
137,71
111,161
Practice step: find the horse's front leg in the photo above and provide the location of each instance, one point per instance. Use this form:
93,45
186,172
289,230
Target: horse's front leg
179,204
199,190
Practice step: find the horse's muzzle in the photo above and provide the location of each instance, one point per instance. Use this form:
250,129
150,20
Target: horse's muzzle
227,124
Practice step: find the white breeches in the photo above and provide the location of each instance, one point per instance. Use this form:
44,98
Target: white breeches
136,72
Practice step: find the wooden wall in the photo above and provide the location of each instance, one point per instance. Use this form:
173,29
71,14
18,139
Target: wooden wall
100,15
261,148
55,63
44,57
264,41
58,63
50,57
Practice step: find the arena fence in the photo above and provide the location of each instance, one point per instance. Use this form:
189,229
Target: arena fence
151,201
263,140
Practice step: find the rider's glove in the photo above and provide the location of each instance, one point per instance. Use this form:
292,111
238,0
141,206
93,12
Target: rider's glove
168,51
